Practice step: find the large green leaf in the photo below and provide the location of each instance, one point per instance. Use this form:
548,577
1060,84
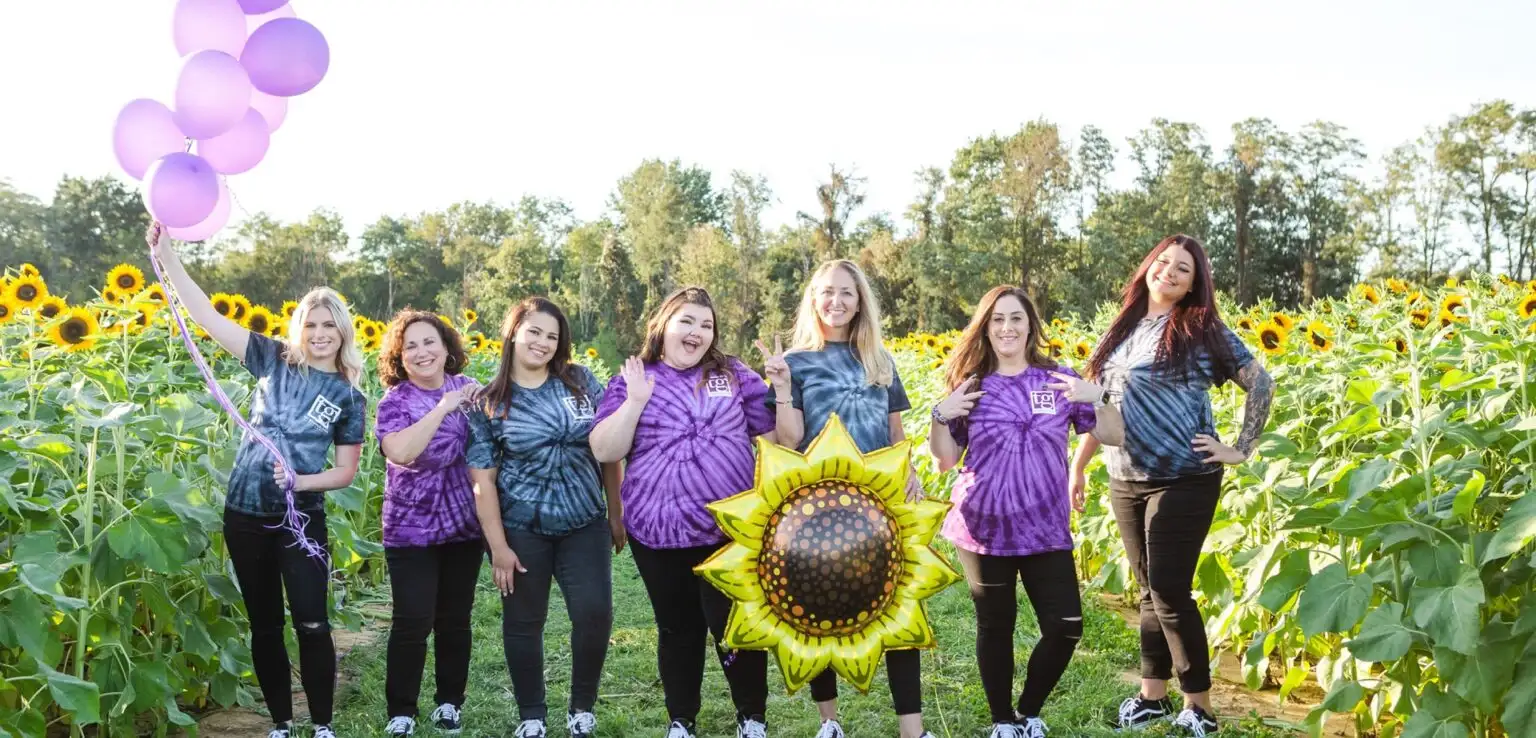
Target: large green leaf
1482,678
1425,725
1466,499
1450,614
1383,637
151,542
1360,521
33,627
150,685
1516,529
1344,696
1294,572
1435,564
1333,601
81,699
1520,701
1368,478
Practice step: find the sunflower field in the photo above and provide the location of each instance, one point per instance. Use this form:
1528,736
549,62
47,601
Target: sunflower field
1377,545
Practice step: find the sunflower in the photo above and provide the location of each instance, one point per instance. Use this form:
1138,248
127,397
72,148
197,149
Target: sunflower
469,316
223,304
77,331
841,609
286,313
1450,305
1057,324
1452,283
1415,297
27,291
1319,336
113,296
591,353
152,294
493,347
1246,323
1057,347
1397,286
1369,294
7,311
1447,318
366,328
1282,320
446,320
1325,306
1527,305
27,270
1351,322
1272,337
260,320
241,307
127,278
144,318
1530,286
1419,316
51,306
1400,345
1081,351
473,342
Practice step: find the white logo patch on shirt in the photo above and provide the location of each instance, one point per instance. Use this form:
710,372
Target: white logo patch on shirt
323,412
1042,402
581,410
718,385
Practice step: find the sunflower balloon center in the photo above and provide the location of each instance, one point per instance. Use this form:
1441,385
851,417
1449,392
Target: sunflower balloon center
831,559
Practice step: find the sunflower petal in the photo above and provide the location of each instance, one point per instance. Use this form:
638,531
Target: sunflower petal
905,625
742,517
856,658
733,571
802,659
925,573
919,521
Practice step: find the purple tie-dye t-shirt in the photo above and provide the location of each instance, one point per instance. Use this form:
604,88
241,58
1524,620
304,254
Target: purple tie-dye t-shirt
1011,496
693,446
431,501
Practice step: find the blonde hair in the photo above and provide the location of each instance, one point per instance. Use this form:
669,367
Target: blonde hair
863,332
349,358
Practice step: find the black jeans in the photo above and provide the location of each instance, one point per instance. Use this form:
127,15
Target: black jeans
687,610
1163,523
904,672
1050,581
582,562
434,592
266,562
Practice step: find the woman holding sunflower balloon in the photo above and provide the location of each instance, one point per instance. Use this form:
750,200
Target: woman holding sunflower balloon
1159,359
307,401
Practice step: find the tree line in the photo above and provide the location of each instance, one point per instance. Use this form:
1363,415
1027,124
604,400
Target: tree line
1288,216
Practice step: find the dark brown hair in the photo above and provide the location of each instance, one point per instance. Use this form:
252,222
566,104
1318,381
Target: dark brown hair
1194,322
499,392
391,364
714,359
974,355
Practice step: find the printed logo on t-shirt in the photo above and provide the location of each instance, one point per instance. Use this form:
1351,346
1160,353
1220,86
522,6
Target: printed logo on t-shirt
323,412
718,385
580,409
1042,402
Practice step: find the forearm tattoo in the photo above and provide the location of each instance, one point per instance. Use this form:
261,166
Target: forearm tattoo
1261,392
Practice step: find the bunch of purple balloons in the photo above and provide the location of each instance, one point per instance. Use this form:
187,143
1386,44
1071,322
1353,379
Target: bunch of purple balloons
241,61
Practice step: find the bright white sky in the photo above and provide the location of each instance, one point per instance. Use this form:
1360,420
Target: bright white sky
429,102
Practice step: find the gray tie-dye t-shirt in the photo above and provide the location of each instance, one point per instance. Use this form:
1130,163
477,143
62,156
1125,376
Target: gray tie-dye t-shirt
547,479
833,381
303,412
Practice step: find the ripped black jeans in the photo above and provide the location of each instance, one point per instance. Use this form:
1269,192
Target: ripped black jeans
267,562
1050,582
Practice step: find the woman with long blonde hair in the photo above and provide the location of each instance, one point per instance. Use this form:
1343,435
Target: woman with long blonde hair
306,401
837,363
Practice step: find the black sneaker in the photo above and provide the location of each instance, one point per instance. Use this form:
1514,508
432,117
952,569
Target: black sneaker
447,719
400,726
581,724
1137,713
1195,722
529,729
680,729
751,726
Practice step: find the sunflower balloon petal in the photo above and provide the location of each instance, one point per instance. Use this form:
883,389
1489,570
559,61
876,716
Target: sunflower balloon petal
829,563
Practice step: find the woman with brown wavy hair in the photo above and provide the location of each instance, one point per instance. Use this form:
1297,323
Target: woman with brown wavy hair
432,540
1160,358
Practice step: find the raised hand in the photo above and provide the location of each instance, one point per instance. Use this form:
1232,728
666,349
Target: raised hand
960,402
454,400
774,365
637,384
1076,389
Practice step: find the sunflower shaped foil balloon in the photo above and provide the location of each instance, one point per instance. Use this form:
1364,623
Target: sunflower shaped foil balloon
828,563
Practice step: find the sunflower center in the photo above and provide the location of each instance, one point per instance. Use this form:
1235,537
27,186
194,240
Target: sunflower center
1319,340
73,330
26,292
258,324
1271,339
126,281
831,559
50,311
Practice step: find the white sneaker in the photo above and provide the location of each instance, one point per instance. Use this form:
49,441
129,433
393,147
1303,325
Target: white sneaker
529,729
581,724
281,733
324,731
400,725
679,729
1032,728
830,729
1005,730
1196,722
447,719
751,728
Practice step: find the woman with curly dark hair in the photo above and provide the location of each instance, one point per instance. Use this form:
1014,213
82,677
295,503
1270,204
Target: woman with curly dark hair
432,539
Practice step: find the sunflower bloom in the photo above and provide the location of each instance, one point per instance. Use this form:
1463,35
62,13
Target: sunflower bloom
78,330
1419,316
1284,321
1452,283
223,304
144,317
260,320
7,311
1527,306
1246,323
1397,286
1351,322
591,353
27,270
1368,293
1272,337
113,296
27,291
1414,297
51,307
1399,345
1319,336
154,294
1081,351
1451,309
1057,348
241,307
286,313
126,278
469,316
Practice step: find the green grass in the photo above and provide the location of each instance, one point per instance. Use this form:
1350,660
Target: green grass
630,701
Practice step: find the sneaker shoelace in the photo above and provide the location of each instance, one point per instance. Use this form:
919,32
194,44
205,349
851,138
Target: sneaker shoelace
753,729
581,722
1191,722
1033,728
324,731
446,711
530,729
400,725
279,733
830,729
678,730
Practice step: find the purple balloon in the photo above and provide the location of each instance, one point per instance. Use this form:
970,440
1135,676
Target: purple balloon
144,132
239,148
286,57
180,190
273,109
253,22
210,225
199,25
212,94
257,7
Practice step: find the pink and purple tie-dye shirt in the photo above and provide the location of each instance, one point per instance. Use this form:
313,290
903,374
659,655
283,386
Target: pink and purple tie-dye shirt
1011,496
431,501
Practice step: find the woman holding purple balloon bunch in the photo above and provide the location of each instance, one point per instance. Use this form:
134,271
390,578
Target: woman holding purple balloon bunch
1009,413
682,415
432,539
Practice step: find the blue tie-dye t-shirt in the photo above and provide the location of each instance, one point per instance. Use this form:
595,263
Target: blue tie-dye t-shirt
547,479
1164,408
833,381
304,412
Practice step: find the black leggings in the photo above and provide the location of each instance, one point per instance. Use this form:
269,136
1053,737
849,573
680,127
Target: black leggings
266,561
1163,524
687,610
434,591
904,671
1050,581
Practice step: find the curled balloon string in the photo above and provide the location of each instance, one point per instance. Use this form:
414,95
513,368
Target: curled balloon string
294,520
